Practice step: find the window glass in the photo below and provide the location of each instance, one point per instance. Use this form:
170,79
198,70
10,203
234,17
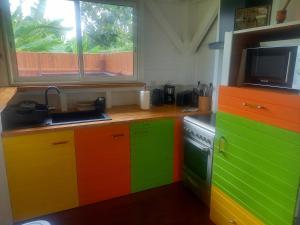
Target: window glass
49,45
45,38
107,39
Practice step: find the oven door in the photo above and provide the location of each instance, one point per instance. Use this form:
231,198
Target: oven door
197,161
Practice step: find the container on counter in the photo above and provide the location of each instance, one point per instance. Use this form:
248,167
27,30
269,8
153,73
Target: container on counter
145,99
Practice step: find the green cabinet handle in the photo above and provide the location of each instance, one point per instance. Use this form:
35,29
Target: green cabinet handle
222,145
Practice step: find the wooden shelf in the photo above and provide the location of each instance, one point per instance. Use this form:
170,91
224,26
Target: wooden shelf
275,27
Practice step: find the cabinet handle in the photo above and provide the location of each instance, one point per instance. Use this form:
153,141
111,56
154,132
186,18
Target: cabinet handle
60,143
232,222
222,143
245,104
115,136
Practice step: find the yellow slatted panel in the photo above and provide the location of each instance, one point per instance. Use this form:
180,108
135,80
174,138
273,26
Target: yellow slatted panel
224,211
41,172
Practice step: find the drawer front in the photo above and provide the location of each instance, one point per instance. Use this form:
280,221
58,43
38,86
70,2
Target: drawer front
41,173
225,211
277,109
40,142
258,166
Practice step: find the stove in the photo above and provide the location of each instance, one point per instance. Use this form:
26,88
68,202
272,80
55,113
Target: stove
199,133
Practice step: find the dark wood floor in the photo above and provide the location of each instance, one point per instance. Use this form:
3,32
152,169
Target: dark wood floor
168,205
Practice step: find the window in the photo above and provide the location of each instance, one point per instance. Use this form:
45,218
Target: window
72,40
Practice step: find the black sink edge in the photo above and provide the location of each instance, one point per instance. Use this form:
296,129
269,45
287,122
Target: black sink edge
50,123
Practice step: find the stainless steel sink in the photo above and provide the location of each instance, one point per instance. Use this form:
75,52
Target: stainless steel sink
76,117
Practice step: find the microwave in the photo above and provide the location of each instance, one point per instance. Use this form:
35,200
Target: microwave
273,67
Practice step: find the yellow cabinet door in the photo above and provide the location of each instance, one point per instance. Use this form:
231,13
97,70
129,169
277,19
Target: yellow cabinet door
41,173
225,211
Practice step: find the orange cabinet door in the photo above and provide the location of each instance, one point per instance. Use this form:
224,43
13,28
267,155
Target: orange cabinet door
103,162
277,108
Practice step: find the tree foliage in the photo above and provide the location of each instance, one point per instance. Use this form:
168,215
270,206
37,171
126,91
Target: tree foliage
104,28
35,33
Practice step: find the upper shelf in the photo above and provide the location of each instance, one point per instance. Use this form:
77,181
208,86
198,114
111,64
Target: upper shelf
293,27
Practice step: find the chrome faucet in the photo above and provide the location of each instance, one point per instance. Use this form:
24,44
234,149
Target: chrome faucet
46,94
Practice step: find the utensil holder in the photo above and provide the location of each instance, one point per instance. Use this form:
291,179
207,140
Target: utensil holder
204,104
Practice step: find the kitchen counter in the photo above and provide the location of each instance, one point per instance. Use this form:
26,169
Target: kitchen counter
6,94
118,114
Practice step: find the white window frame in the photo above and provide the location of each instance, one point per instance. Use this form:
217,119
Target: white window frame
15,79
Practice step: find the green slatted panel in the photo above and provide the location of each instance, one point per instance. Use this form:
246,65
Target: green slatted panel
260,167
152,144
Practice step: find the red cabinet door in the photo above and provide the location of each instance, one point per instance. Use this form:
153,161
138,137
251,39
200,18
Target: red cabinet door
103,162
178,149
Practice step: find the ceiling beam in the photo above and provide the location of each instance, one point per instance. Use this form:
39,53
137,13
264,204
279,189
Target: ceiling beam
166,26
204,26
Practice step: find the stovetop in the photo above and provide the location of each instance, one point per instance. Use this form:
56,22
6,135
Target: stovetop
200,128
206,121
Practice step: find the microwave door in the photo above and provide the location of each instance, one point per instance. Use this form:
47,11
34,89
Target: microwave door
270,67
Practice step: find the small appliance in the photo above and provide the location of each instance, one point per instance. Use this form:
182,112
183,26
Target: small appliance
157,98
273,67
184,98
24,114
169,94
145,99
100,105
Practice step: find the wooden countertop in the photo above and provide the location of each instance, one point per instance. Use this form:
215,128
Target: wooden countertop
6,94
118,114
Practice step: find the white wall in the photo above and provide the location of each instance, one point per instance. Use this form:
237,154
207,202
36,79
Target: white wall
3,68
204,60
293,10
163,62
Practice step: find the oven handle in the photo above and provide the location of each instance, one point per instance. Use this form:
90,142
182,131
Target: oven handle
202,148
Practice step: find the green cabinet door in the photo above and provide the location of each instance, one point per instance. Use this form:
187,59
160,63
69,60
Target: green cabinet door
152,144
258,166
